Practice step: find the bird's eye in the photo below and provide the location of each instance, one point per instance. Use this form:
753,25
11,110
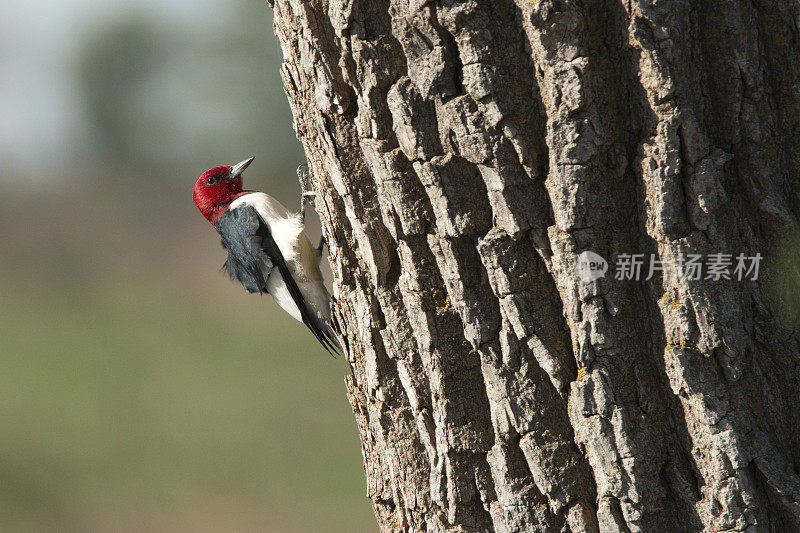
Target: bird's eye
211,181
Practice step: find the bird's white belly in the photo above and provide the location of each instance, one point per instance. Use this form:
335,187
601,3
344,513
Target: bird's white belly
277,288
314,293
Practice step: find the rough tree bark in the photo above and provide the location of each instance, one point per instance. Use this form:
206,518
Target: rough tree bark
464,153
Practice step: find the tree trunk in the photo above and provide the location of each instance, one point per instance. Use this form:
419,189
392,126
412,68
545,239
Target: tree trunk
464,154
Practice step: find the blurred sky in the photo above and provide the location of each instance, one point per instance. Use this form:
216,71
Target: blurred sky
205,58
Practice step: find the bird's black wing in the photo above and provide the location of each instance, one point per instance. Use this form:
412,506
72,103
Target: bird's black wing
242,233
250,244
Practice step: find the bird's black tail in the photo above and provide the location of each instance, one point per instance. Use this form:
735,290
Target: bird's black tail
325,334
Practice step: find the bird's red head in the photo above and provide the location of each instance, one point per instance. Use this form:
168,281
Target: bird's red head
216,188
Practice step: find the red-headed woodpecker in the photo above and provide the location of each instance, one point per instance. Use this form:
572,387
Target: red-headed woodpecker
268,250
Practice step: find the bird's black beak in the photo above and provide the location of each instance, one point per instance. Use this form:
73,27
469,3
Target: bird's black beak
238,168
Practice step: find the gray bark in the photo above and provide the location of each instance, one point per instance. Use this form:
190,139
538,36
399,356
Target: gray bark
463,154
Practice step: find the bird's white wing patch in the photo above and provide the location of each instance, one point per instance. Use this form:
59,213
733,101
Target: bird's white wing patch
284,225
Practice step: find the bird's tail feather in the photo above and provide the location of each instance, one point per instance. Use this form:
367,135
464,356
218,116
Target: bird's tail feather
325,334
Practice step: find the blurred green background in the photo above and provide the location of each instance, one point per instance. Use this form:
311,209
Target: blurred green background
140,389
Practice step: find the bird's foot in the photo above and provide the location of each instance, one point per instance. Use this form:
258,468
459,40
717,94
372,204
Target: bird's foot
320,247
308,195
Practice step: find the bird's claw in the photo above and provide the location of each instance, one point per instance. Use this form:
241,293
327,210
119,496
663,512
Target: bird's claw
304,177
320,247
308,195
